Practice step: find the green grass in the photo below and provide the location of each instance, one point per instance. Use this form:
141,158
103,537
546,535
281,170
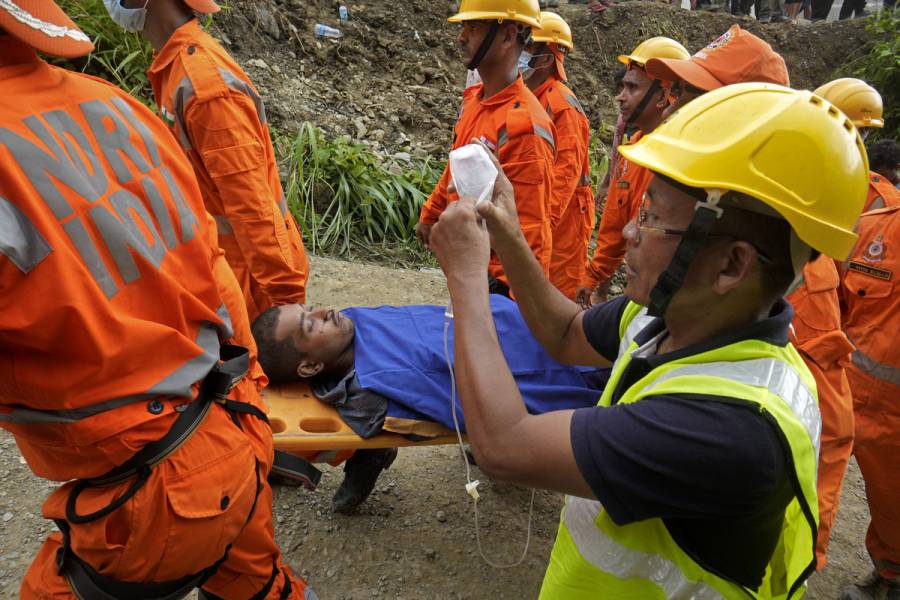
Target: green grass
881,67
350,200
119,56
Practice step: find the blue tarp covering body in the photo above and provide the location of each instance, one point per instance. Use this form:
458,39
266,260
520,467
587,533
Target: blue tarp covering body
399,355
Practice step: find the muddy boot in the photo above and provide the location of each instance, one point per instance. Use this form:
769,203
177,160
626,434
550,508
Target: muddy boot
874,587
360,474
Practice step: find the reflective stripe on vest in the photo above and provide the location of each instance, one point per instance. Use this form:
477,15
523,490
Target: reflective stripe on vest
546,135
179,383
775,375
580,515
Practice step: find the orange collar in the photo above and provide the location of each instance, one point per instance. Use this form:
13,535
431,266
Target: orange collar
179,38
548,83
510,92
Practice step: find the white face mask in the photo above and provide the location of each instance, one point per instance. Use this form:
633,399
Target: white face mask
524,64
129,19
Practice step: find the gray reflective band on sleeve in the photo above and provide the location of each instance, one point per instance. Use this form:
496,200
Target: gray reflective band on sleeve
543,133
183,94
223,225
20,241
178,384
574,103
245,88
873,368
227,328
502,137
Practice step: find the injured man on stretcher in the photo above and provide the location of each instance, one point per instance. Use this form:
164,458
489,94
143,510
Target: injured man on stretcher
384,368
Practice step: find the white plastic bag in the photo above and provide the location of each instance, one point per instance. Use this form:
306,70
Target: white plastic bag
473,172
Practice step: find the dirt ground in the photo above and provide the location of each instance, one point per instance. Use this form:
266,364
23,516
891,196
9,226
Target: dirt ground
394,80
414,538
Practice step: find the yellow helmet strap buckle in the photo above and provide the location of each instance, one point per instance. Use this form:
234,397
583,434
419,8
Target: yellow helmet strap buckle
706,212
484,47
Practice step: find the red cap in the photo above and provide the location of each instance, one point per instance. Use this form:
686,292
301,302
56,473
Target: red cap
44,26
736,56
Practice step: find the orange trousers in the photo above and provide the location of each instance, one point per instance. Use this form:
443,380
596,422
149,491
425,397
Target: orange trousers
876,406
570,243
194,504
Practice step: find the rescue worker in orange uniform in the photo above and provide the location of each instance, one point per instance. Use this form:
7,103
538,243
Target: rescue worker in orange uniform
870,305
503,113
572,205
641,103
863,105
105,260
219,118
740,56
817,335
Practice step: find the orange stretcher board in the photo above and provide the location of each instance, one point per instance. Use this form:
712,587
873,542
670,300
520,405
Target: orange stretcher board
302,423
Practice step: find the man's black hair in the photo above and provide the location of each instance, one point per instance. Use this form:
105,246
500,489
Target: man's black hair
278,358
618,77
884,155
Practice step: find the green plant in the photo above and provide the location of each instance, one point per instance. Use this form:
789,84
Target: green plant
881,67
119,56
349,198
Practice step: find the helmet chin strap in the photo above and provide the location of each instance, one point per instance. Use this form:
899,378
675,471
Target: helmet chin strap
642,105
706,212
484,47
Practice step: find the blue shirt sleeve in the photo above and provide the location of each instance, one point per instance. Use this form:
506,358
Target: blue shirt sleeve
678,457
601,327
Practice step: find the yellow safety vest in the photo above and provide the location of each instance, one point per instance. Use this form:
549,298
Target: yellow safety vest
593,558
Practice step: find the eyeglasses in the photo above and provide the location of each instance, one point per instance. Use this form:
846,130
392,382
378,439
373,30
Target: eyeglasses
642,227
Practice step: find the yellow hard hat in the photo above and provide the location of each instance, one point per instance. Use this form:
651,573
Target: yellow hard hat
521,11
747,137
655,47
553,30
856,99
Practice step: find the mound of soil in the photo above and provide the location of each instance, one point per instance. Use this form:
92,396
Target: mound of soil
394,79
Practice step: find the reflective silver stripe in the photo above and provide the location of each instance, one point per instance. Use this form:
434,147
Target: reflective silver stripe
502,137
49,29
183,93
870,366
282,205
775,375
227,328
543,133
611,557
574,103
223,225
178,383
20,240
584,181
638,323
245,88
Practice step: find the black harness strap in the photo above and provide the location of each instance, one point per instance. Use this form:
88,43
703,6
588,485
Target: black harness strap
648,95
672,278
485,46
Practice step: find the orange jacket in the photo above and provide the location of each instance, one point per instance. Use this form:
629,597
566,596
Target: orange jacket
816,333
572,203
107,293
870,309
219,119
626,191
514,124
881,193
